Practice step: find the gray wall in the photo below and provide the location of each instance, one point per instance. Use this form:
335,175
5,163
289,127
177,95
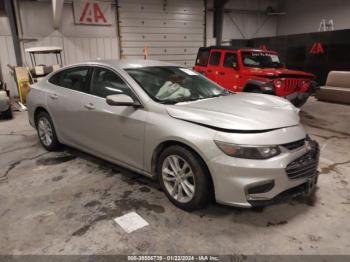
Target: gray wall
79,42
304,16
250,25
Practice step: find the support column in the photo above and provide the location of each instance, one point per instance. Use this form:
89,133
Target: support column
11,15
219,6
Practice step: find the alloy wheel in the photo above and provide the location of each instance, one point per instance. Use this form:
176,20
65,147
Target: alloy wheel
45,131
178,178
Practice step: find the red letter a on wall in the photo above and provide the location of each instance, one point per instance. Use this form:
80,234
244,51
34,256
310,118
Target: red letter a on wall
317,48
98,14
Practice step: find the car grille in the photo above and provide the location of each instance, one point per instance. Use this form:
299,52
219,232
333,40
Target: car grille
305,165
294,145
291,84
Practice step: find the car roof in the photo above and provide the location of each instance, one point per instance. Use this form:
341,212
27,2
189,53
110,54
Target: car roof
232,48
128,63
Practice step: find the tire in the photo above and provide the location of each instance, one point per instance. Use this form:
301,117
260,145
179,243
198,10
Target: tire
43,118
8,113
299,103
200,180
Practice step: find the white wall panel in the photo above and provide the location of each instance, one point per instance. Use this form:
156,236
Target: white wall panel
161,37
79,42
161,51
161,16
171,30
162,44
155,23
80,49
161,30
181,3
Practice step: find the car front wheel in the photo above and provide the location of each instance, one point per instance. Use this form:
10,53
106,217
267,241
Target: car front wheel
184,178
46,132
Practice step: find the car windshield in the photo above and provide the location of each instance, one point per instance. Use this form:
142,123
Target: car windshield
260,59
171,85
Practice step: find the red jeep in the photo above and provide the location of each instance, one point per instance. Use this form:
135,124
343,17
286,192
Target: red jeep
253,70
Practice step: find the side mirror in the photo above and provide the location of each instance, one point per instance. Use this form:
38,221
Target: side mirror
235,66
121,100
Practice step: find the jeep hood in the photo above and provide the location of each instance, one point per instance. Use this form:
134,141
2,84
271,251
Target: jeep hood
276,72
238,112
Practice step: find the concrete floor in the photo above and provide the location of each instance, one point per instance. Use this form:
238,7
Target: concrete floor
64,203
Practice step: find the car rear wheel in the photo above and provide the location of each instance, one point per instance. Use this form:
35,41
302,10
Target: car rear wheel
46,132
184,178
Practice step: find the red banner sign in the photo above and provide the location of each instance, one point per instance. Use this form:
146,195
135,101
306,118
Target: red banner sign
92,12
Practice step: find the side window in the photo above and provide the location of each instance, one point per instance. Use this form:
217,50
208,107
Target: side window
202,57
105,82
215,58
230,60
72,78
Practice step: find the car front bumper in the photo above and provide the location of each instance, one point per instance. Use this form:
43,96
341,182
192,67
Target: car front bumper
237,181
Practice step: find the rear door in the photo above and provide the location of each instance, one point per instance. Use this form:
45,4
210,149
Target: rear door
213,66
202,60
66,91
228,75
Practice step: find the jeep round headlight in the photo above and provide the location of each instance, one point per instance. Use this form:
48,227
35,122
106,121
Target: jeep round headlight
247,151
278,83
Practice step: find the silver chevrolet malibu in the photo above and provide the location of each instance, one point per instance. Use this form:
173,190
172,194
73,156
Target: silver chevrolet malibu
172,124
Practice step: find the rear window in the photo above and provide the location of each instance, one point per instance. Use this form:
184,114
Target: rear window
202,57
215,58
71,78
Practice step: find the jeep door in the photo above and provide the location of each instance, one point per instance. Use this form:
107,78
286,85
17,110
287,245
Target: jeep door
228,76
213,66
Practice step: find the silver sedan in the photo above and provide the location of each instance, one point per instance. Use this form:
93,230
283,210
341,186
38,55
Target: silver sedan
172,124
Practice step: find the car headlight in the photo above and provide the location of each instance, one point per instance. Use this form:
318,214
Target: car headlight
248,152
278,83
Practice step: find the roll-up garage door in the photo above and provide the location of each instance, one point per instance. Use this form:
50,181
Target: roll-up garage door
169,30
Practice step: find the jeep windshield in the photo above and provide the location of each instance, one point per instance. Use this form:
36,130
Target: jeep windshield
260,59
171,85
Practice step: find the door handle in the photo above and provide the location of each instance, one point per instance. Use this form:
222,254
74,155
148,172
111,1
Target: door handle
209,71
53,96
89,106
221,73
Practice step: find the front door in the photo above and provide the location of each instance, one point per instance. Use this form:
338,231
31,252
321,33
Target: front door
228,74
116,132
213,66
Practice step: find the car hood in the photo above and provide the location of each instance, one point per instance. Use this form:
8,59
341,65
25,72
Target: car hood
273,72
240,112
